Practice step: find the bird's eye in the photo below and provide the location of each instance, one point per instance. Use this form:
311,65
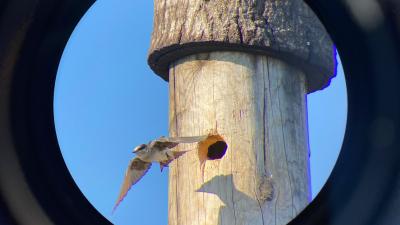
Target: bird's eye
138,148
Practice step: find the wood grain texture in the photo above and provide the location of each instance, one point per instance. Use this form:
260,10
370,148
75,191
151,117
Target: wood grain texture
258,105
285,29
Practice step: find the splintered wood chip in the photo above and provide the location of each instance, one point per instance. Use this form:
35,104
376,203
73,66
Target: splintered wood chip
213,147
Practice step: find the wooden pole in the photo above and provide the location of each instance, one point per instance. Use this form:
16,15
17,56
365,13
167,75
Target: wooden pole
240,69
258,105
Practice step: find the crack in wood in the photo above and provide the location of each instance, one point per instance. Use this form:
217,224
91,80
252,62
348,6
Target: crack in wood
232,184
285,150
276,202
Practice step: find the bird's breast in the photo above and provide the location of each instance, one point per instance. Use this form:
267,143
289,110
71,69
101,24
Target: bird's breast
155,156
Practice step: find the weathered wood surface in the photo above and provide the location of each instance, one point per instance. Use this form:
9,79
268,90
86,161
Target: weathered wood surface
258,105
285,29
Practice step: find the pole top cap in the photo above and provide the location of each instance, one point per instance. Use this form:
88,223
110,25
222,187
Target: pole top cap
285,29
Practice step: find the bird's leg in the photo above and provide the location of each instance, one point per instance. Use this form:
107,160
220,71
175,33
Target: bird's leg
170,155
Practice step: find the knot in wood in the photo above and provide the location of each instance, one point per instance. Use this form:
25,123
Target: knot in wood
265,189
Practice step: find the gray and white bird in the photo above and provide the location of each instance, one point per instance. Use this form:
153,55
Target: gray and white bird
159,151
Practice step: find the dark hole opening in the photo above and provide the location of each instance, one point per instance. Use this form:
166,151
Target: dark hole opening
217,150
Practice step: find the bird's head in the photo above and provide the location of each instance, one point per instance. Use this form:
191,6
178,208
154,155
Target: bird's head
139,148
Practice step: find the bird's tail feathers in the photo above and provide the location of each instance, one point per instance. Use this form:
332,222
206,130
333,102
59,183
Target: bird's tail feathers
188,139
179,154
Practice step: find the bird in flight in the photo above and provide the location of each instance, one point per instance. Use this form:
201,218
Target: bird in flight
158,151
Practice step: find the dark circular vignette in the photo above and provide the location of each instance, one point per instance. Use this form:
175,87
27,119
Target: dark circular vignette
35,185
362,189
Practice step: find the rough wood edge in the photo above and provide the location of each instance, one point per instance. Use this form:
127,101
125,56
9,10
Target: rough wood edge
318,77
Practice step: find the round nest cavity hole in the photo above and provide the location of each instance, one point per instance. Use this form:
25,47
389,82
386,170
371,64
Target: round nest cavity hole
212,148
217,150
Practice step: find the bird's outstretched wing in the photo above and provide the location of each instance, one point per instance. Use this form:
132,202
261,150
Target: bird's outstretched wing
136,170
191,139
171,142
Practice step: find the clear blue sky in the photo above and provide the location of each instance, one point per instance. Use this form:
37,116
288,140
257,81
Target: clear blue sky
105,104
